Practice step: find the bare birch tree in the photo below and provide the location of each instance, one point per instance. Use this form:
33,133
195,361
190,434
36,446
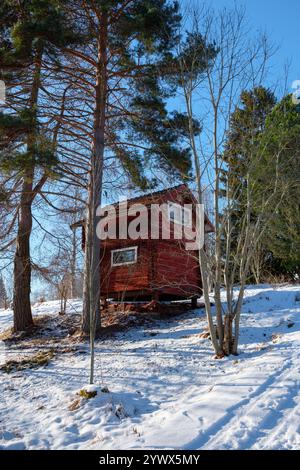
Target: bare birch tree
240,63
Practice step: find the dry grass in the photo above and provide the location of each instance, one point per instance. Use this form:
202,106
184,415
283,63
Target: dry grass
87,394
75,404
46,329
40,359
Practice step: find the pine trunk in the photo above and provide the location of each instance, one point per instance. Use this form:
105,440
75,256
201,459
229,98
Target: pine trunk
22,261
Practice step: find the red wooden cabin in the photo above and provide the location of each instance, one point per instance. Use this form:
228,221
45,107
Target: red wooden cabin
145,269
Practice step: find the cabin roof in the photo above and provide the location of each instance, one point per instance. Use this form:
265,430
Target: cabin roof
181,188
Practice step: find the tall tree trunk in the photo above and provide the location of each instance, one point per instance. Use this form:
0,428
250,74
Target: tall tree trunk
91,320
218,261
202,255
22,261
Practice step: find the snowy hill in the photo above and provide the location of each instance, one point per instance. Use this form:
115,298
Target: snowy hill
165,388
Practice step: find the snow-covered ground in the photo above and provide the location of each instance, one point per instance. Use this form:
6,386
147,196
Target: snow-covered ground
165,389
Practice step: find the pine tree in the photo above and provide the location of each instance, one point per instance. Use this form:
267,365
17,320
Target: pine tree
280,161
124,73
30,32
263,141
128,61
246,125
241,154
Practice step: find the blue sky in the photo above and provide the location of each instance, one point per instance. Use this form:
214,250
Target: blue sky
280,19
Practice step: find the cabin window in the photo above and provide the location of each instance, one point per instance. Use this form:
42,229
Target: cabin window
179,214
124,256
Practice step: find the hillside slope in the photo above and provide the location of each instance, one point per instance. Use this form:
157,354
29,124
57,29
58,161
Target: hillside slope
165,388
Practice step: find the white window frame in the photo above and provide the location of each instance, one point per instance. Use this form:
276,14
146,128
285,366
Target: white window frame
186,222
124,249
